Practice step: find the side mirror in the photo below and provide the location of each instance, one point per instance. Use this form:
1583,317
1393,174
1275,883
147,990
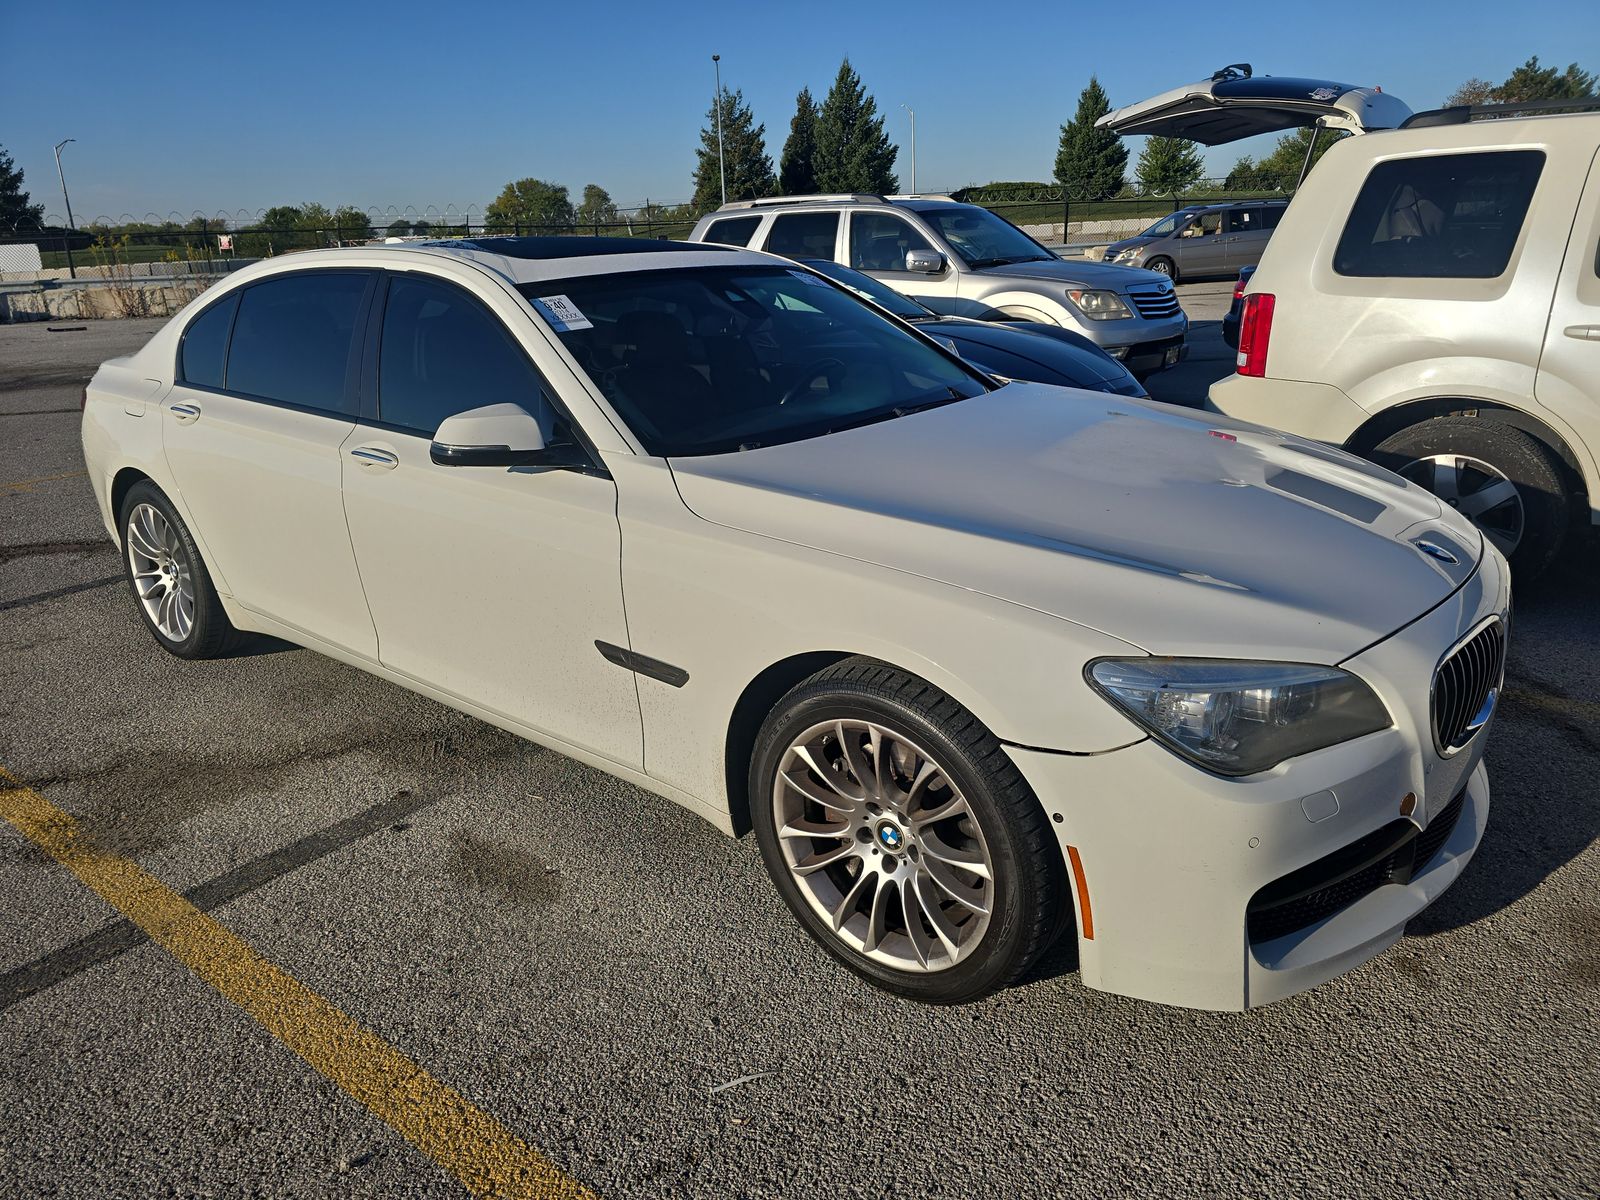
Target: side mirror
497,435
924,262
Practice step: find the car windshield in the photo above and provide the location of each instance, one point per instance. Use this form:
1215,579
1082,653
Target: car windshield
1167,226
983,239
713,359
865,285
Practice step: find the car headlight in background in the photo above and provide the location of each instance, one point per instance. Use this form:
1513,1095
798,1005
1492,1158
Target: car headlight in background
1099,306
1237,718
1124,255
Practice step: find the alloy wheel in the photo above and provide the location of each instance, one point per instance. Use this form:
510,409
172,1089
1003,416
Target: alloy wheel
883,845
1477,490
162,574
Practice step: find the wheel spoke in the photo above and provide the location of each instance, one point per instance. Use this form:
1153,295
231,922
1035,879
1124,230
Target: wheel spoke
852,898
928,899
910,909
971,861
878,916
812,863
955,806
810,829
861,768
140,540
829,796
926,776
951,885
1502,541
1501,491
1446,479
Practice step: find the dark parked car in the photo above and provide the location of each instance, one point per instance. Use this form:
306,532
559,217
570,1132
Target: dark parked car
1025,350
1230,323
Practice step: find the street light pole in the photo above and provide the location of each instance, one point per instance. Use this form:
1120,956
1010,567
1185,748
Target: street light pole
913,113
72,268
722,174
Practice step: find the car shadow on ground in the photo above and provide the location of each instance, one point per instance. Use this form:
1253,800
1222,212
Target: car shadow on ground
1209,360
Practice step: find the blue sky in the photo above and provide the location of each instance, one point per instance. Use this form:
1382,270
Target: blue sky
215,107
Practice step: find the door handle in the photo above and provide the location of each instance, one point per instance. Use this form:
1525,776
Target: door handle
185,412
1584,333
371,456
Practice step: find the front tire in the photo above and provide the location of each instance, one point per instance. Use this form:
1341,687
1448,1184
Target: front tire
1505,481
902,836
1163,266
169,579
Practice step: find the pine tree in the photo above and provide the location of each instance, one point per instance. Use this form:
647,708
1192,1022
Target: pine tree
1090,162
853,153
797,170
1168,166
744,155
15,207
1530,81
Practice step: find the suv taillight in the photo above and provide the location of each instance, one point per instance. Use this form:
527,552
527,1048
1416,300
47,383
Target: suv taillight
1255,331
1239,286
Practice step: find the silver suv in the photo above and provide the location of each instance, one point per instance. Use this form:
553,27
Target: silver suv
965,261
1214,241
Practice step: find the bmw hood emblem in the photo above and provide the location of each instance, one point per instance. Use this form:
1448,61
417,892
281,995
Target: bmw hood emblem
1434,550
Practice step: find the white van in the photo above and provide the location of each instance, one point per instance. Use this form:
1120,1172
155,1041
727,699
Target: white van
1431,300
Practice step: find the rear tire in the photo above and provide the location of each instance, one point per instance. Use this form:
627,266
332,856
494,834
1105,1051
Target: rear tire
1162,265
857,846
1467,461
168,578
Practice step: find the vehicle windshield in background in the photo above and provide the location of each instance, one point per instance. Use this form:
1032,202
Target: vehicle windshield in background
865,285
715,359
983,239
1165,227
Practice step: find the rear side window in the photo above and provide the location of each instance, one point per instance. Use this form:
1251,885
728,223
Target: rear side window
804,235
1446,216
443,353
293,338
205,344
732,231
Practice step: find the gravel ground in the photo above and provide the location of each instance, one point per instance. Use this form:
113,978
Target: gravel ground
587,962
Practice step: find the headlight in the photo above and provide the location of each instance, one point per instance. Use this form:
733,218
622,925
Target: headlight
1130,252
1099,306
1237,718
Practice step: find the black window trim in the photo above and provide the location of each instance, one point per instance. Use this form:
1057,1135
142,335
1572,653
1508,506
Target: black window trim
369,414
352,363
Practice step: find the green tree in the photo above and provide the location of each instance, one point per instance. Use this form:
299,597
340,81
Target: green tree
531,202
1530,81
853,153
16,207
597,207
1246,175
349,224
283,216
797,170
1281,169
746,164
1168,166
1090,162
1473,91
398,228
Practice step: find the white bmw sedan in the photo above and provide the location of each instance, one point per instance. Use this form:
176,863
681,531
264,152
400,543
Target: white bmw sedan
981,665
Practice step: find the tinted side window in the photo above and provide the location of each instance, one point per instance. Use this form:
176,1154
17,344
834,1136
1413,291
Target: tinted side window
804,235
732,231
205,344
1271,215
1246,220
293,339
443,353
1452,216
879,242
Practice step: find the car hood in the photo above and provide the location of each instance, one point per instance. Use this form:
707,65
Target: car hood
1184,534
1129,243
1079,271
1035,341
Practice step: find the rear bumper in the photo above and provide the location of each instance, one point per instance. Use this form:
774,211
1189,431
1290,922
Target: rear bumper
1171,858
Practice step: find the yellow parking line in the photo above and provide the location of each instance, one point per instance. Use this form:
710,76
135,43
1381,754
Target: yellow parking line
486,1157
25,485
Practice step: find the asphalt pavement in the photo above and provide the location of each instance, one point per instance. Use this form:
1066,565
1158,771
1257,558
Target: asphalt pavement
587,965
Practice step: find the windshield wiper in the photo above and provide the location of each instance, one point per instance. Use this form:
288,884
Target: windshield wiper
901,410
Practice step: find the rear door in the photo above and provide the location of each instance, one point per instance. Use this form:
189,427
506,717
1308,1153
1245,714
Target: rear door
1246,234
1233,104
1201,246
265,397
1568,380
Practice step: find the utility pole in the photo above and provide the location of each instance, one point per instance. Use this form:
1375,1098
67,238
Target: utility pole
913,113
72,268
722,174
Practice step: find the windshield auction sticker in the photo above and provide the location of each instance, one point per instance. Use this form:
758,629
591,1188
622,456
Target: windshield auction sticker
562,314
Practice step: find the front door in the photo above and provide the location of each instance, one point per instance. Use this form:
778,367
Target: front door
490,583
1201,249
252,435
879,242
1568,381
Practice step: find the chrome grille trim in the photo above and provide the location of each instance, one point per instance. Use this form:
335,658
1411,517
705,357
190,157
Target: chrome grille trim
1153,305
1466,687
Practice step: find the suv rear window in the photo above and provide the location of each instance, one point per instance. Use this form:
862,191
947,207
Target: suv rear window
803,235
1445,216
732,231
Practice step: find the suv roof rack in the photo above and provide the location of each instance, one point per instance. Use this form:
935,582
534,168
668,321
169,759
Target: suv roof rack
832,197
923,196
1460,114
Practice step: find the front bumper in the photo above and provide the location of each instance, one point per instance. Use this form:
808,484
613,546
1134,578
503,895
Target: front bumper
1170,857
1144,358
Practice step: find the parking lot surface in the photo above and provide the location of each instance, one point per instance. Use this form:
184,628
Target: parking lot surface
584,967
